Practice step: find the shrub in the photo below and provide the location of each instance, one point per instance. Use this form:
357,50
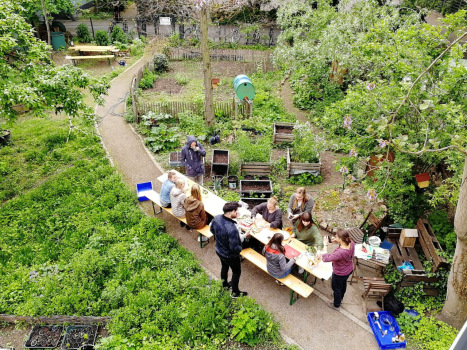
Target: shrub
147,81
118,35
258,150
306,145
82,33
306,179
101,38
161,63
163,138
137,48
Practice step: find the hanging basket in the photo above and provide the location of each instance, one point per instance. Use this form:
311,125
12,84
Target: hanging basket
423,180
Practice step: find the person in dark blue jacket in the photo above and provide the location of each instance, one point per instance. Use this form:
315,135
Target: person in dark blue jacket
228,246
192,155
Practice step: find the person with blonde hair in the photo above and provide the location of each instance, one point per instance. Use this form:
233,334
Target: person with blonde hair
270,212
177,199
167,186
196,217
299,203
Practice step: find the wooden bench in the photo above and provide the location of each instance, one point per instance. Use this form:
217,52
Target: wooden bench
74,58
295,284
156,199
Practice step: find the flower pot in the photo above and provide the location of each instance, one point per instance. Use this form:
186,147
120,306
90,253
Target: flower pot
232,180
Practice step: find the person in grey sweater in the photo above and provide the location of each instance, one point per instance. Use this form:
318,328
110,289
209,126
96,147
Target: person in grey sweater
276,263
299,203
177,198
269,212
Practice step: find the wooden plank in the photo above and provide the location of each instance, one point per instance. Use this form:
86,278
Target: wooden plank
428,245
54,319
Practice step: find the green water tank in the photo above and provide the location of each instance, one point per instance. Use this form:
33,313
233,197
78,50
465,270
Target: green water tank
58,40
243,87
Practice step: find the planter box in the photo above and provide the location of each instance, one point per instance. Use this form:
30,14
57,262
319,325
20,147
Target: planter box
283,132
44,337
253,202
174,159
294,168
256,168
220,162
78,336
250,188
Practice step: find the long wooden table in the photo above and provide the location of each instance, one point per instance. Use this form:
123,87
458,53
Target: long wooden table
93,48
212,204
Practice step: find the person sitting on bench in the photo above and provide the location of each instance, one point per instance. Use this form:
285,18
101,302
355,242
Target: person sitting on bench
196,216
269,212
166,188
276,263
177,198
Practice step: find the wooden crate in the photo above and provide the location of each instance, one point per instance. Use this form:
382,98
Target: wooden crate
430,244
218,168
253,202
294,168
408,238
256,168
279,137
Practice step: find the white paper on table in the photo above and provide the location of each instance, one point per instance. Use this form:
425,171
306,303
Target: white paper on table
359,253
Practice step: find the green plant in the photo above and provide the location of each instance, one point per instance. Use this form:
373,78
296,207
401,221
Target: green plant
118,36
161,63
228,195
154,119
193,124
306,145
306,179
137,48
148,79
83,34
258,150
101,38
181,79
445,233
163,138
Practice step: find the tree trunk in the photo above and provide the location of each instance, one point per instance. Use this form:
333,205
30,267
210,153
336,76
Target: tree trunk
455,309
208,103
44,12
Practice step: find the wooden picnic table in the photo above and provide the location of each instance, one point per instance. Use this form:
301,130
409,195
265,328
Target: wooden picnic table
93,48
321,270
213,204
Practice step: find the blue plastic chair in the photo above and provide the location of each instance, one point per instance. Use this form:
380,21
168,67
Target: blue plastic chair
144,186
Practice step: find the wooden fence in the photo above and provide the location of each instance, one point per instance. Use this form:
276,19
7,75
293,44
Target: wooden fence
175,107
134,86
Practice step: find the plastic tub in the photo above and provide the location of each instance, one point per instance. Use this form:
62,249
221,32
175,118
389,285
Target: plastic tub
386,341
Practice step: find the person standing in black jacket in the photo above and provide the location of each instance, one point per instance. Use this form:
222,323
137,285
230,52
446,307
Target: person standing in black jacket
228,246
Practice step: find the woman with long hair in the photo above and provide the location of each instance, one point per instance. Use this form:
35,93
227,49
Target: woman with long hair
195,215
300,202
306,231
276,263
342,265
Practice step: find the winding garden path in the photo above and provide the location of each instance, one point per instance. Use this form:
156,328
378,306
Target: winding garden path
309,322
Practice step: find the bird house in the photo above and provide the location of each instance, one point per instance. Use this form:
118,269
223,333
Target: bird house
423,180
408,238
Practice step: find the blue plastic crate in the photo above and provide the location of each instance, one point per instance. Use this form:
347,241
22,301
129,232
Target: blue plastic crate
386,341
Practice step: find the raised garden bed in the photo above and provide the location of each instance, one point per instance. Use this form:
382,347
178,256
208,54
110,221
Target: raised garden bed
44,337
256,168
283,132
78,336
220,162
251,188
253,202
175,159
294,168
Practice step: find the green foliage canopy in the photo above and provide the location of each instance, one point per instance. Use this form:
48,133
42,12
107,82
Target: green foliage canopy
30,77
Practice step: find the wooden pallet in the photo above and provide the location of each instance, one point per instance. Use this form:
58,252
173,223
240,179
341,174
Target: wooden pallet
255,168
430,245
278,137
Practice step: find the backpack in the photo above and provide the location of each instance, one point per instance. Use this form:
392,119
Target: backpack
391,304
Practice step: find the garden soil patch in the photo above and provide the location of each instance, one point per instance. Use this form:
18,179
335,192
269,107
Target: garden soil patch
167,85
283,130
221,159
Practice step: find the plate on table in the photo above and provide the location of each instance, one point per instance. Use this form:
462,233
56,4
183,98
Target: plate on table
285,234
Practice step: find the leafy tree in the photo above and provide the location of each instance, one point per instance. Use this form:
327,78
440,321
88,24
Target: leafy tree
83,34
30,78
101,38
118,35
405,89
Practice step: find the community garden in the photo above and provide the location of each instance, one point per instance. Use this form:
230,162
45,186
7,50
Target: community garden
379,98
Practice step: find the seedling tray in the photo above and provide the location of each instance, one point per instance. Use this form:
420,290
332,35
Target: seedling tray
78,336
386,341
44,337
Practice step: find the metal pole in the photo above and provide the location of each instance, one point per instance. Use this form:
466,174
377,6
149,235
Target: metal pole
92,27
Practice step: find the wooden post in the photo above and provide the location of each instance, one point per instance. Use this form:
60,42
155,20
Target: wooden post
209,109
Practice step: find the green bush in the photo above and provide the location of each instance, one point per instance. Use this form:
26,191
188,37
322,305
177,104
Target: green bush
258,150
148,79
193,124
307,146
163,138
118,36
306,179
82,33
444,230
101,38
137,48
161,63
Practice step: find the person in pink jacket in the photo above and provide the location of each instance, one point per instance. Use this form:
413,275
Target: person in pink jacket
342,266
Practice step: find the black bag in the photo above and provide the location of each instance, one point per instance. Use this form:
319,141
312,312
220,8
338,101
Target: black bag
391,304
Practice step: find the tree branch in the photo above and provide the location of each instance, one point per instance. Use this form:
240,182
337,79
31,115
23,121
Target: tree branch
417,153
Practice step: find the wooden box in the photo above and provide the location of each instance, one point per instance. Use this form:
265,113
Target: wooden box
408,238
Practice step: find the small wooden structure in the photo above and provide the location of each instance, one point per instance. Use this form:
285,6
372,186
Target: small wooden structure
375,287
218,166
256,168
175,159
283,132
408,238
294,168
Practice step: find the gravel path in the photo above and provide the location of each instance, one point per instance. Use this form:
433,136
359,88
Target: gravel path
309,322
